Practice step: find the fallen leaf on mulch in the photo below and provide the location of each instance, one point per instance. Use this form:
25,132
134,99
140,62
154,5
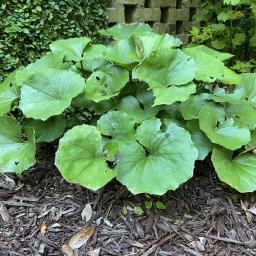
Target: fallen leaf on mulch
43,228
81,237
67,250
178,222
94,252
248,213
87,213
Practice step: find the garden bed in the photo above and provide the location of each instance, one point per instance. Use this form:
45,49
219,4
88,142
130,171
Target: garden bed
203,217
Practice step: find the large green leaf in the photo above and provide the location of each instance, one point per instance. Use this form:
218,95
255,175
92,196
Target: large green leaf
221,131
8,93
118,125
190,108
243,114
137,110
123,53
252,144
165,68
80,158
222,56
111,150
50,60
248,82
98,108
159,161
210,68
144,95
16,154
229,77
48,93
172,112
232,96
173,94
93,57
72,48
139,102
150,43
202,143
123,31
49,130
106,83
238,172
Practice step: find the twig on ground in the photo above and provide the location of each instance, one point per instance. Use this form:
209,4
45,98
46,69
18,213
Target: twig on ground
190,251
161,242
18,204
232,241
19,201
47,241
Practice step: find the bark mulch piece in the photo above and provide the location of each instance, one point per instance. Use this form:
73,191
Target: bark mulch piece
40,212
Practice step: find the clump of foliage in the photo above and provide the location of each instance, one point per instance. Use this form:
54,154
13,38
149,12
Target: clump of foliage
141,110
229,25
29,26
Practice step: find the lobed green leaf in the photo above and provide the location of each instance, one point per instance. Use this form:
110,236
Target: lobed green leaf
239,172
80,158
48,93
159,161
16,154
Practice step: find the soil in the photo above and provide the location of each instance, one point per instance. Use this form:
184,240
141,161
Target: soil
40,212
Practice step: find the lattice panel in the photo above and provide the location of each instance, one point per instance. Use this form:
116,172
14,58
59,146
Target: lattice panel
165,16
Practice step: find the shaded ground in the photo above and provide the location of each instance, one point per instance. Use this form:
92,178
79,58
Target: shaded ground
203,217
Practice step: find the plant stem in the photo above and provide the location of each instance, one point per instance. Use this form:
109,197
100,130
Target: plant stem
82,68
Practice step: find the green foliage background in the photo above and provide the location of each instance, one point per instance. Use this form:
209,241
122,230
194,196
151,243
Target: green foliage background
27,27
230,26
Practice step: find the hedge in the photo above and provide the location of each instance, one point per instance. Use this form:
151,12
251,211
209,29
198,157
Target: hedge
27,27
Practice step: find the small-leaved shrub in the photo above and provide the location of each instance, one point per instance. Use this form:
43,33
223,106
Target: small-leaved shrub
27,27
229,25
141,110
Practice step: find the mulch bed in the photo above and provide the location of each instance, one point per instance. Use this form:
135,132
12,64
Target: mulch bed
203,217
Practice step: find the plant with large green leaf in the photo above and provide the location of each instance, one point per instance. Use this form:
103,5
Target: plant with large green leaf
142,110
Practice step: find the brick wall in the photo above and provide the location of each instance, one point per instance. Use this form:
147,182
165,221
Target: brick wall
165,16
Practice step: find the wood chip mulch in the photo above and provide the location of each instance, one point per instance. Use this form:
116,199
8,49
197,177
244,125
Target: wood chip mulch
39,212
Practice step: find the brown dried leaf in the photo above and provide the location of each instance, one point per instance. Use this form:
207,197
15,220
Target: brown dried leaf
244,205
43,228
81,237
248,214
179,222
67,250
94,252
